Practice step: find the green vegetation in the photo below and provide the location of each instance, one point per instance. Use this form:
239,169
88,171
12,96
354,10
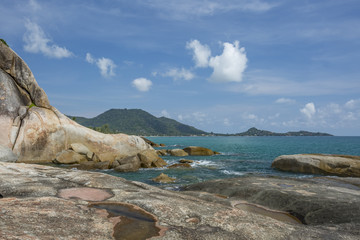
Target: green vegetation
32,105
137,122
256,132
4,42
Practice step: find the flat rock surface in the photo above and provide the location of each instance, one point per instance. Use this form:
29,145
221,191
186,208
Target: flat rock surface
41,202
323,201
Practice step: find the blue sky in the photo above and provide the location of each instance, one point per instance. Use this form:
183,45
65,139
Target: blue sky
221,66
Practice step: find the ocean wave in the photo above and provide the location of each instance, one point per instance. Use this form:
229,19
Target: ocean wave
229,172
203,163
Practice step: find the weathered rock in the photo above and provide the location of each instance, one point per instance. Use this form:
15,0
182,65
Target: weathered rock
11,63
149,159
177,152
161,152
198,151
69,157
315,201
151,143
37,132
128,164
186,161
180,165
43,202
340,165
91,165
6,155
163,178
81,149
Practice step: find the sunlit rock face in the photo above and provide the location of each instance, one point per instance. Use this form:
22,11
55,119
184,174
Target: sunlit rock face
37,132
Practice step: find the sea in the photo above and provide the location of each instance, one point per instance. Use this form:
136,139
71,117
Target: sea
239,156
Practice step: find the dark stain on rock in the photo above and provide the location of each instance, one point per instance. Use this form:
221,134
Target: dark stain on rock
135,223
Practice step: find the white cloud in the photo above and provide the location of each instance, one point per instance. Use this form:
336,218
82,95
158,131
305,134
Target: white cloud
227,67
201,53
180,117
179,74
37,42
227,122
106,65
230,65
199,116
309,110
285,100
89,58
165,113
142,84
351,104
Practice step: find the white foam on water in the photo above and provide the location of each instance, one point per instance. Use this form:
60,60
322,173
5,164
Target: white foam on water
203,163
227,172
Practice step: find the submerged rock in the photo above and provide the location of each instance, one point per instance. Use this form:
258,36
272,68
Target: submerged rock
163,178
180,165
340,165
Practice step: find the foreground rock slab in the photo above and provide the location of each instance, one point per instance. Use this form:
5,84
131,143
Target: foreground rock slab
327,202
340,165
41,202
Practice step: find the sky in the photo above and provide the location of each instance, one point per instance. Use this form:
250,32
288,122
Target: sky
220,66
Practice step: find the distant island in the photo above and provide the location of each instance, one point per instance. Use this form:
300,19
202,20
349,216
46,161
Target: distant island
140,122
256,132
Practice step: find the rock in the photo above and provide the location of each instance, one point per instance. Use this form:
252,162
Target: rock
151,143
161,152
180,165
315,201
186,161
6,155
37,132
340,165
149,159
198,151
69,157
162,145
81,149
177,152
91,165
43,202
128,164
163,178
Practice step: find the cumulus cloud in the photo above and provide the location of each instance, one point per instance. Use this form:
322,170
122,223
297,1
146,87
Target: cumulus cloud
285,100
37,42
179,74
105,65
34,5
201,53
142,84
230,65
227,67
309,110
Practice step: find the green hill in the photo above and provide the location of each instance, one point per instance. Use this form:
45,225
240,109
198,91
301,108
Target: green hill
137,122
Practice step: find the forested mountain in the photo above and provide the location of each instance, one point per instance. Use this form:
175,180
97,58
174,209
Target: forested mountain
137,122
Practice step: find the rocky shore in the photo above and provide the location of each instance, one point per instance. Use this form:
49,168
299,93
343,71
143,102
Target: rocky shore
41,202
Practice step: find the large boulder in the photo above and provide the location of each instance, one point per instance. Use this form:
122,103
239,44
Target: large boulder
37,132
199,151
6,155
340,165
177,152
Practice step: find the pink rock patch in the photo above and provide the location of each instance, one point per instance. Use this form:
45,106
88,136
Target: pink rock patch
87,194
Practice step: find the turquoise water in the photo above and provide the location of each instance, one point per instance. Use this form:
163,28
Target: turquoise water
240,156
